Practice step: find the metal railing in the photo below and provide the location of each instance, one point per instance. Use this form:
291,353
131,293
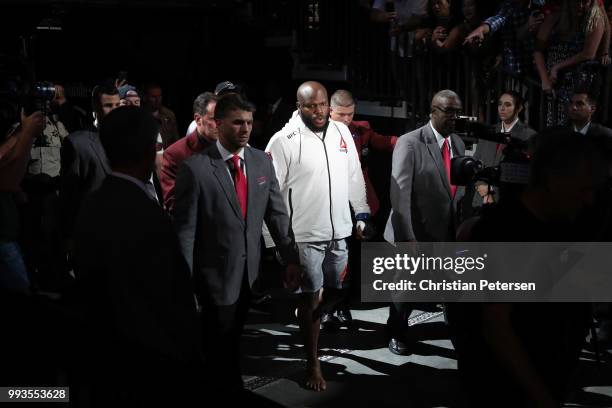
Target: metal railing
340,32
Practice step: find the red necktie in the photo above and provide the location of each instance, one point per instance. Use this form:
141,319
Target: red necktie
240,185
447,165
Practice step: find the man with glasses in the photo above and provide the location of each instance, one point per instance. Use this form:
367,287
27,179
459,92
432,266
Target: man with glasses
424,202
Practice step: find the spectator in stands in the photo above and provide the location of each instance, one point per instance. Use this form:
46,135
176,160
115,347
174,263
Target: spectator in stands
509,107
512,19
442,17
566,42
473,12
152,101
404,16
14,153
203,136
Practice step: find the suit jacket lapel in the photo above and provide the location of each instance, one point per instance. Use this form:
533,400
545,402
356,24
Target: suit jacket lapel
252,175
434,151
97,148
221,173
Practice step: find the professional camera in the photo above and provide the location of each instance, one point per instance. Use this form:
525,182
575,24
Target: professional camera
43,93
513,169
19,90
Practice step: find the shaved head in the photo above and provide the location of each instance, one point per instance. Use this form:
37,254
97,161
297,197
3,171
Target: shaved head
313,105
308,89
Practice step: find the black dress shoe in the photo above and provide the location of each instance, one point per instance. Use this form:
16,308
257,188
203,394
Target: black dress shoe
345,317
398,347
329,322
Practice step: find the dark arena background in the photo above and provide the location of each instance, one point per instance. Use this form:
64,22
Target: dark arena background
99,306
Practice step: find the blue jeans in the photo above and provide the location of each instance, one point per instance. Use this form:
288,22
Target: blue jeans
13,273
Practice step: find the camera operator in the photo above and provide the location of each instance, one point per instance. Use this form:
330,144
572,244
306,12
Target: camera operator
509,106
523,354
40,213
14,155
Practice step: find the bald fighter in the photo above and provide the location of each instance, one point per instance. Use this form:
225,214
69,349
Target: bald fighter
320,178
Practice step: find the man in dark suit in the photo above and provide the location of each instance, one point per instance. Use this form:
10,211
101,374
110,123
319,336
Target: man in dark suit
222,197
133,281
83,161
581,109
424,203
203,136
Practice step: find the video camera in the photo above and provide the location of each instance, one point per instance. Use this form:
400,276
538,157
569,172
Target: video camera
513,169
19,90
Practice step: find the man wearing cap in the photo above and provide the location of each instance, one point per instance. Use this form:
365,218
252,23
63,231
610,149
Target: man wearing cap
221,89
129,96
204,134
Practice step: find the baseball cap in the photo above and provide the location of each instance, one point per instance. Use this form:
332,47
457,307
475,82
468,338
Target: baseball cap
127,90
225,87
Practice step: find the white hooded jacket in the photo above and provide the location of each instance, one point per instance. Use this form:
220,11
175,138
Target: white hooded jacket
319,175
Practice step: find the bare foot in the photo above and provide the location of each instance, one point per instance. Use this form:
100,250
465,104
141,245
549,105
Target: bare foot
315,379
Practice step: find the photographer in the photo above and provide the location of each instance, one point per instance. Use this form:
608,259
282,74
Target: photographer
40,213
14,155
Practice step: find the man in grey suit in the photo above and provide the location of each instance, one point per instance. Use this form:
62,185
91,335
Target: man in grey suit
223,195
424,203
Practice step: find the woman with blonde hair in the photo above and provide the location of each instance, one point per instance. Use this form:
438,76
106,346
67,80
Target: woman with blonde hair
567,40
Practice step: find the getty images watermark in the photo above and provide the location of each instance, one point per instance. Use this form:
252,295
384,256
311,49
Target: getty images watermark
475,272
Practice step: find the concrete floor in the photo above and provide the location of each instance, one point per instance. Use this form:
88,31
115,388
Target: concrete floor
361,372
